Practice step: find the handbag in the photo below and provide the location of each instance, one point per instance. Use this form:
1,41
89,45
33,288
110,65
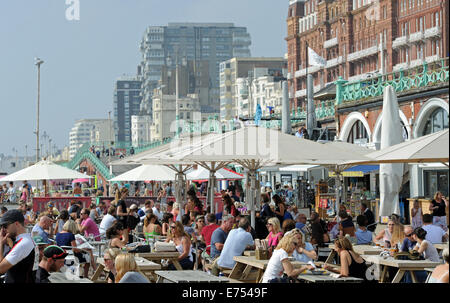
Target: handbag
141,249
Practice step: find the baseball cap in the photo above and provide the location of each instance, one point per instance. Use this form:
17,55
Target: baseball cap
11,216
50,204
55,252
134,206
39,240
226,217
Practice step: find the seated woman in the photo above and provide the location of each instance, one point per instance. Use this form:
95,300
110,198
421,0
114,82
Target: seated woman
166,221
440,273
424,246
398,235
183,245
151,227
127,270
280,263
67,238
275,234
109,258
115,234
352,265
305,251
346,226
386,234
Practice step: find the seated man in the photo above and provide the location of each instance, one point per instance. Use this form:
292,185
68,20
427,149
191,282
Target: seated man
40,229
408,242
219,236
52,261
238,240
363,236
435,234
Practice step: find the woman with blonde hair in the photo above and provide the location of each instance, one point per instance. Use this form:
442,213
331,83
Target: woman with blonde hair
109,258
275,234
183,245
66,238
352,265
398,235
279,262
127,270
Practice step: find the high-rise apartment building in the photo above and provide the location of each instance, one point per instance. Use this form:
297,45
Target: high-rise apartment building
127,101
235,68
163,46
361,39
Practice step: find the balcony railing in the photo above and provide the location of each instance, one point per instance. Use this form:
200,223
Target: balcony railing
330,43
300,93
415,63
334,62
399,66
433,58
325,110
432,32
400,41
302,72
416,37
362,53
422,76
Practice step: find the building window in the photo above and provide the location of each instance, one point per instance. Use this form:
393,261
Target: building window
435,180
357,133
437,121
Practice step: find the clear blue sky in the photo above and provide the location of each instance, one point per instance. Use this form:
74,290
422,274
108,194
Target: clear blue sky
83,58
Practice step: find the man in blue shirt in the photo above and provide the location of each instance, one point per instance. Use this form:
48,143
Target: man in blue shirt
408,242
219,236
40,228
237,241
363,235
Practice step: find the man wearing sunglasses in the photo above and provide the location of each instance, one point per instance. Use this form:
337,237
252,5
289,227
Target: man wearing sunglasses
408,242
21,262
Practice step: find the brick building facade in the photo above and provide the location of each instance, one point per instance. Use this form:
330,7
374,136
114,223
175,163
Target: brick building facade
362,38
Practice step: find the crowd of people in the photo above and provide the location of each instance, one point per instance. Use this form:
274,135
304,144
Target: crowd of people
205,241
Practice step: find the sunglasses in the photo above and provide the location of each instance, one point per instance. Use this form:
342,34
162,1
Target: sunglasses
295,243
269,224
172,226
410,235
201,221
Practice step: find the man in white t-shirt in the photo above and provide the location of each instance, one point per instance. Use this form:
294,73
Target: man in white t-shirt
435,234
107,220
21,262
237,241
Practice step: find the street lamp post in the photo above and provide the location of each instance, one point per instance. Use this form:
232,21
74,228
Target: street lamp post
38,64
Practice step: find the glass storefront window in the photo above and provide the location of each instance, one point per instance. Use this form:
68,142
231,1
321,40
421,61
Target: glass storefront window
435,180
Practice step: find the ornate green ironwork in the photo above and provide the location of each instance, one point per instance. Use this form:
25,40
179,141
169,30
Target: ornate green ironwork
325,110
401,81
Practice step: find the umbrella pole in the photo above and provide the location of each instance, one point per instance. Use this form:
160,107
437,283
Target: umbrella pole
252,174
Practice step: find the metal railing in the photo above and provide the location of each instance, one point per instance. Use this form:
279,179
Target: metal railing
423,76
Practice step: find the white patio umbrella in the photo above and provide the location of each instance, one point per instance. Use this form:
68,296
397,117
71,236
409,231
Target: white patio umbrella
253,148
391,175
427,149
44,170
222,174
147,173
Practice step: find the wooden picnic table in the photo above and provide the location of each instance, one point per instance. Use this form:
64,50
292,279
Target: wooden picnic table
249,269
145,266
327,278
59,277
157,256
402,265
359,249
440,246
249,253
188,276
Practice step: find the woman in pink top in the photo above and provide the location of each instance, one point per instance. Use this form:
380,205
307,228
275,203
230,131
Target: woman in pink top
275,234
